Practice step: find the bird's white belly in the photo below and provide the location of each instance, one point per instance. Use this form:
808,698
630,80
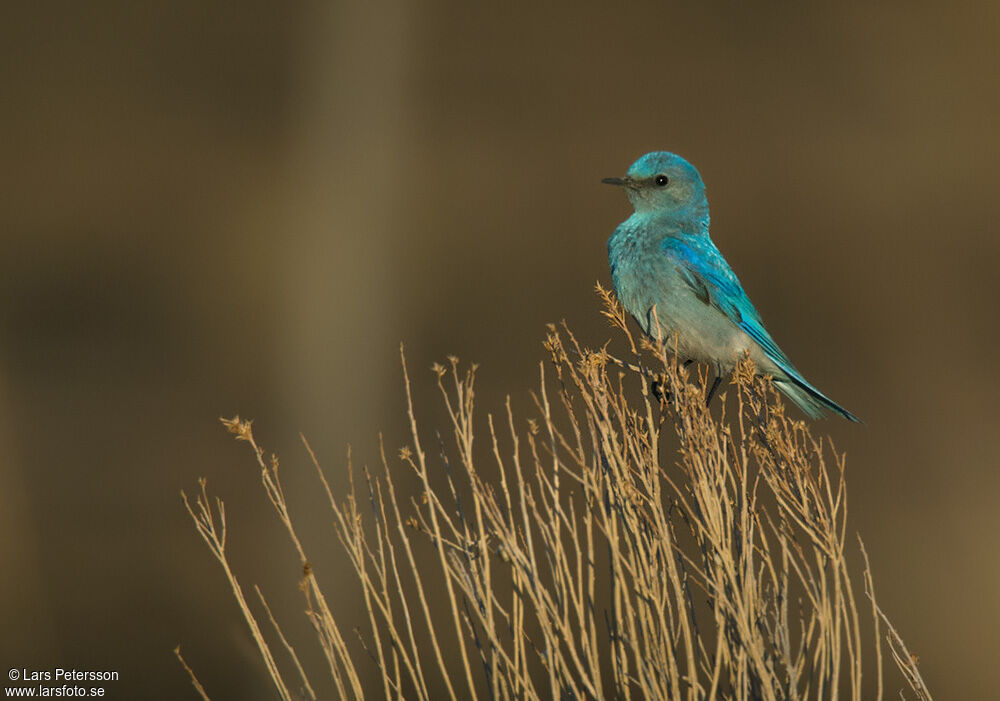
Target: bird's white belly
707,337
703,333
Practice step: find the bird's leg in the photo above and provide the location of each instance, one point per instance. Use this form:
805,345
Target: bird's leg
711,391
658,383
657,388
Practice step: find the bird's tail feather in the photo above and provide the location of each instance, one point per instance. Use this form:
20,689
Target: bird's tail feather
811,400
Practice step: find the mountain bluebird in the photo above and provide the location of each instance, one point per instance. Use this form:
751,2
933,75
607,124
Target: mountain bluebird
666,269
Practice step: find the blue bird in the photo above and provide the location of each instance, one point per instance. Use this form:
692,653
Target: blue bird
662,257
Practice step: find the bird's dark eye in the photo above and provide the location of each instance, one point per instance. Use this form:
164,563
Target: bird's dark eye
661,180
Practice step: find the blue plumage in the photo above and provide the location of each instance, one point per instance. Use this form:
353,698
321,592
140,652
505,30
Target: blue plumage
663,258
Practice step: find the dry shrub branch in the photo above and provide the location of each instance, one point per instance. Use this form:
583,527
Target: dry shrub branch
584,553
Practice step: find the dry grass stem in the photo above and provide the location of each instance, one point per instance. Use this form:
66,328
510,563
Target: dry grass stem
190,672
625,541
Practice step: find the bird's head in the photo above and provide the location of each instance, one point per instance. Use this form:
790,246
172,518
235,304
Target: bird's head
663,182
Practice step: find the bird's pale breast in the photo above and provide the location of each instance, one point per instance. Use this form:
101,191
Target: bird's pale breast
645,279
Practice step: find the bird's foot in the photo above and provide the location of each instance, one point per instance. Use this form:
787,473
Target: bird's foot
659,389
711,390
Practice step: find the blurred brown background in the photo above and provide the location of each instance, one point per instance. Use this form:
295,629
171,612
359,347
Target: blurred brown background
212,208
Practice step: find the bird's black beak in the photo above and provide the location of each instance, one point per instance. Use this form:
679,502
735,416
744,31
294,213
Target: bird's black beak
620,182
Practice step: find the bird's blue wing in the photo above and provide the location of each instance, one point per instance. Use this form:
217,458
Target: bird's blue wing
712,280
